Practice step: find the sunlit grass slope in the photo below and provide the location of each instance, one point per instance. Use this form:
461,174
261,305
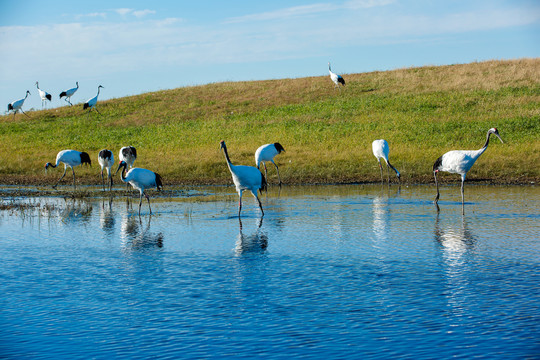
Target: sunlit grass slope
422,113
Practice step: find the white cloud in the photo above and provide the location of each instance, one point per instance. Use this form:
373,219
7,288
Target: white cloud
306,10
123,11
142,13
92,15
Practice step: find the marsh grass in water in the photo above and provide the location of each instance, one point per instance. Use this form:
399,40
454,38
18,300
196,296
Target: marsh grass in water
422,113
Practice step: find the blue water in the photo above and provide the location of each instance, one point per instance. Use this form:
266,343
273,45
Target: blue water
329,272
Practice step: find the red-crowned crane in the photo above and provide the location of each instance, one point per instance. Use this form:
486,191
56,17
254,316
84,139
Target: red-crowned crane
245,178
128,154
91,103
267,153
140,179
337,79
43,95
17,105
106,161
69,158
460,162
69,93
381,150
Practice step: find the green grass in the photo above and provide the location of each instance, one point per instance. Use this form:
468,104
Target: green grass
327,134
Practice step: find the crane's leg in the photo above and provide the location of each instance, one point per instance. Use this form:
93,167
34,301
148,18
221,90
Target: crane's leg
111,178
388,173
65,169
140,203
279,178
73,171
239,202
380,167
148,199
437,185
102,180
95,107
24,113
462,195
265,171
259,201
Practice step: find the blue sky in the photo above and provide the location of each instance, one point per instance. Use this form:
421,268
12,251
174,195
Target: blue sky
132,47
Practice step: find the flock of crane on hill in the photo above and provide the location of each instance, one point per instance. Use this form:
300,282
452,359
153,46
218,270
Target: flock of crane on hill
244,177
16,105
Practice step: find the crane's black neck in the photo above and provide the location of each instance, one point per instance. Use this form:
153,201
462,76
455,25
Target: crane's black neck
487,140
224,147
123,174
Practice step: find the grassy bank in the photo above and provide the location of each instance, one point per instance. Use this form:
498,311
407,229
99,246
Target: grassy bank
422,112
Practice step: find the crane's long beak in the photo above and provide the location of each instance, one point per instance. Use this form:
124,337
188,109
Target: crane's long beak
119,166
500,138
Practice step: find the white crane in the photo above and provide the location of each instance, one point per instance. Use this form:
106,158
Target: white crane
267,153
337,79
91,103
69,93
17,105
128,154
106,161
245,178
69,158
381,150
140,179
460,162
43,95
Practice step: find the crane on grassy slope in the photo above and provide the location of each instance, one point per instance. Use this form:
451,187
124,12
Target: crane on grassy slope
245,178
106,161
71,158
141,179
43,95
337,79
460,162
381,150
91,103
17,105
69,93
267,153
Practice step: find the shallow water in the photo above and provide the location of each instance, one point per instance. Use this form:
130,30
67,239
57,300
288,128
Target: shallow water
329,272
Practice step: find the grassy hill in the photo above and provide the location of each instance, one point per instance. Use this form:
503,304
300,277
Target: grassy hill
422,113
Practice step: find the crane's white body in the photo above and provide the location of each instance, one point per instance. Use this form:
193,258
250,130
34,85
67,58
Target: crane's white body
17,105
70,158
69,93
43,95
91,103
106,161
267,153
337,79
460,162
381,150
128,154
141,179
245,178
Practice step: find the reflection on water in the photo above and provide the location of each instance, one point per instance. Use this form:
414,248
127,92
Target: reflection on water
136,236
455,239
381,210
106,217
331,272
255,242
76,211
